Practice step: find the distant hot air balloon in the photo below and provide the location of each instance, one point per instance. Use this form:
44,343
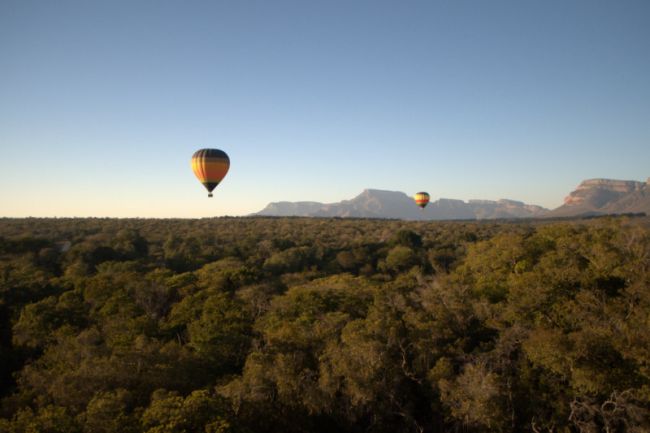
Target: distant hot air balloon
421,199
210,166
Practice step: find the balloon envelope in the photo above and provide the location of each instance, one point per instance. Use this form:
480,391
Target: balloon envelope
421,199
210,167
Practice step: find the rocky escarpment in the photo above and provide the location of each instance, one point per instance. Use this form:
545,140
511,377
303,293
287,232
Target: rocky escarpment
606,196
601,191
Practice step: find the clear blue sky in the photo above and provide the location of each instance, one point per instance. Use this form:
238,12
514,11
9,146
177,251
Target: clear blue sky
102,103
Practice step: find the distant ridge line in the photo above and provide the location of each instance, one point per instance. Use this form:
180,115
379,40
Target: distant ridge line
591,198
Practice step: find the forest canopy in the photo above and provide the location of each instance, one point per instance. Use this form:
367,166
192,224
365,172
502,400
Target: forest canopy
321,325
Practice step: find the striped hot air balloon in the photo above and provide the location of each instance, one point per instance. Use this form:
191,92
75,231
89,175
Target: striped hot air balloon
421,199
210,166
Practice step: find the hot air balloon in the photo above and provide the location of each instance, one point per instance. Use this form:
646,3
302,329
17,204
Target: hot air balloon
421,199
210,166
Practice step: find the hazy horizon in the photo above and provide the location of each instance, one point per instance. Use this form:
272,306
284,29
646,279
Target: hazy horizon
102,104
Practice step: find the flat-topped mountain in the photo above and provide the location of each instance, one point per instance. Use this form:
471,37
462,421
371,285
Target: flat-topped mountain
373,203
606,196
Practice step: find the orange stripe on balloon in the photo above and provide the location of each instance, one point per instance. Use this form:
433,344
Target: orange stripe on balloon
210,169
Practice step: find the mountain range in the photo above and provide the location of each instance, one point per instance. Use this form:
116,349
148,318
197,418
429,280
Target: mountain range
592,197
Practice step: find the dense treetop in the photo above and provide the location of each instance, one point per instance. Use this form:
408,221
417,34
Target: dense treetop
321,325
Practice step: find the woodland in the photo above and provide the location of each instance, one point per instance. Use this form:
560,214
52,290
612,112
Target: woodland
324,325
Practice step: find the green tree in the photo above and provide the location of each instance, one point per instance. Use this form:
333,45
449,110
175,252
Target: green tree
198,412
221,335
401,258
108,412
